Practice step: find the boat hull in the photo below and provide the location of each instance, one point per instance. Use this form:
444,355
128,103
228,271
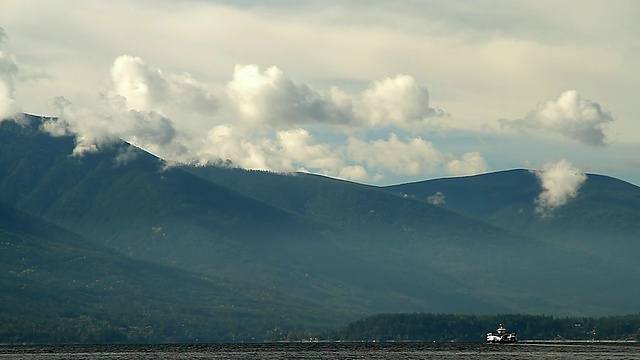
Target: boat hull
501,336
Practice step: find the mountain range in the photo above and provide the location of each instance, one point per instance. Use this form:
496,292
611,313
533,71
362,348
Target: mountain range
118,245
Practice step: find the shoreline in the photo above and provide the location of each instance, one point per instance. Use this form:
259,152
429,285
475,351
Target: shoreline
569,341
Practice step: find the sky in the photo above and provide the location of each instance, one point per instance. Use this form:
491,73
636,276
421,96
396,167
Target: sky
377,92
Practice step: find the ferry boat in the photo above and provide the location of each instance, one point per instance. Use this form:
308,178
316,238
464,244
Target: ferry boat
501,336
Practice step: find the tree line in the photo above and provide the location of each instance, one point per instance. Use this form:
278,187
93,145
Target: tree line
473,328
417,327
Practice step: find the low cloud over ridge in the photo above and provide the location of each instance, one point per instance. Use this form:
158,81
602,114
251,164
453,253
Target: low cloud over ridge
560,183
260,121
107,120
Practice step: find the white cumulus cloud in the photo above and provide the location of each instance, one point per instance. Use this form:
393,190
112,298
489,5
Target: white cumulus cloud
260,120
357,173
399,101
269,97
228,143
288,150
299,146
413,157
149,89
569,115
560,183
257,121
468,164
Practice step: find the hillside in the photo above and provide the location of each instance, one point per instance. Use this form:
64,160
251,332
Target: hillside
501,266
174,218
58,287
601,220
335,250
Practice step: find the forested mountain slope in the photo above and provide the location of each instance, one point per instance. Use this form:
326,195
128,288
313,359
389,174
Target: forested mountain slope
602,219
495,259
335,250
59,287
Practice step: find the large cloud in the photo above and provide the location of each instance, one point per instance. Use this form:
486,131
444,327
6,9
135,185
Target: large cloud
297,150
257,122
569,115
560,183
269,97
256,98
8,71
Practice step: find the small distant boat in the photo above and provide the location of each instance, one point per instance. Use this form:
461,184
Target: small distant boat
501,336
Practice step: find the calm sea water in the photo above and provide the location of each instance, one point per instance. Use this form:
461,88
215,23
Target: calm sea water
327,351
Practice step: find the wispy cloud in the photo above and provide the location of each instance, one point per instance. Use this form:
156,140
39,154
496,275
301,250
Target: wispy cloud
437,199
8,71
107,120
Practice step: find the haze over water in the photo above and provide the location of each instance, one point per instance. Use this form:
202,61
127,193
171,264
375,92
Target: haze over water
327,351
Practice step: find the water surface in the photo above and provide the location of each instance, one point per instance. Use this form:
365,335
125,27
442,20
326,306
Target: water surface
328,351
